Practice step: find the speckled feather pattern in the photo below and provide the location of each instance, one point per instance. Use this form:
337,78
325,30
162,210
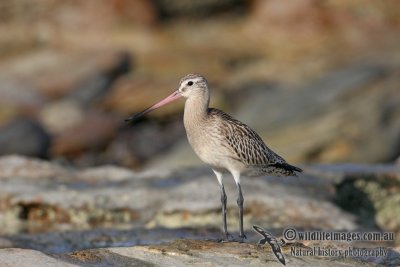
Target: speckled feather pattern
247,146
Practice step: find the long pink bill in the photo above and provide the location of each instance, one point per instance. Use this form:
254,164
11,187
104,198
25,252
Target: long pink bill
175,95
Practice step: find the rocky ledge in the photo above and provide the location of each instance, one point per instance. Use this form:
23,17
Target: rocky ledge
178,253
51,214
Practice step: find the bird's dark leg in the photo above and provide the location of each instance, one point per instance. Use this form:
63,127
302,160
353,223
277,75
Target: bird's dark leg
223,202
240,201
227,236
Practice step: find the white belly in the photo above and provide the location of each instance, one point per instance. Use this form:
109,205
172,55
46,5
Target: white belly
211,152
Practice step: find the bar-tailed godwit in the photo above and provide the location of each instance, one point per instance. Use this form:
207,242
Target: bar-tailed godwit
226,144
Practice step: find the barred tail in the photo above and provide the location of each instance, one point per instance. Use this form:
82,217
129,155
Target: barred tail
285,168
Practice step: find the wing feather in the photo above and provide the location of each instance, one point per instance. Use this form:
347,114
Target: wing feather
248,146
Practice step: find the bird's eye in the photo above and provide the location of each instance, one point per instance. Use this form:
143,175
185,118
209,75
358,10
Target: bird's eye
190,83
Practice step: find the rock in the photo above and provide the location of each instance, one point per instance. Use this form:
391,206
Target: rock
140,12
178,253
17,98
76,130
65,206
69,241
85,199
29,168
281,13
61,115
181,155
25,137
25,257
132,94
370,193
328,121
6,243
138,143
100,83
197,8
17,93
93,132
81,199
56,73
88,200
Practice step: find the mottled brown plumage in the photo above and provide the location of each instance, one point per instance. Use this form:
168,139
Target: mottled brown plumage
224,143
248,148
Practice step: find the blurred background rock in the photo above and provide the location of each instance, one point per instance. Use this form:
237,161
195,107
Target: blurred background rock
319,80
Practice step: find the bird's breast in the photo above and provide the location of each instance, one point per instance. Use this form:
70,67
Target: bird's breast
210,146
201,142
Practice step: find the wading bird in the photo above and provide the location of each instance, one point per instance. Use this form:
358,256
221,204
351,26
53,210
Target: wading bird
226,144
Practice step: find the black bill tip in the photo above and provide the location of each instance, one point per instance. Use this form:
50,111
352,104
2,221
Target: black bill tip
136,116
129,120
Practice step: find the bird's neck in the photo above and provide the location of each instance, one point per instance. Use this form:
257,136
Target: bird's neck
196,108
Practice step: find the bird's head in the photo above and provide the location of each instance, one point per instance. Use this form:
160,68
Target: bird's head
192,84
189,86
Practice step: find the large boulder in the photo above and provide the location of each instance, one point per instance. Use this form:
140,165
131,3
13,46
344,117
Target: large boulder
25,137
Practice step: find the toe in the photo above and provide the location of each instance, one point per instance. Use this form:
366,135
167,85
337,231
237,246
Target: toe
242,238
227,237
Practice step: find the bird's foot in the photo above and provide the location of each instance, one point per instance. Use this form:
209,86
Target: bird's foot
227,238
242,237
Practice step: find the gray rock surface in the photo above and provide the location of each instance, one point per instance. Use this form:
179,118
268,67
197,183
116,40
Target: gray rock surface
39,194
125,217
177,253
13,257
